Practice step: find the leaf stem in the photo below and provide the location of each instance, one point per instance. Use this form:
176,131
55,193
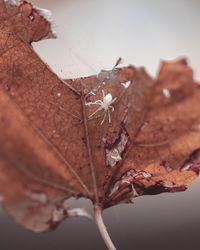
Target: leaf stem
102,228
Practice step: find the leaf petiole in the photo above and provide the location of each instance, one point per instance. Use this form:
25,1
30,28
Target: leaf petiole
102,228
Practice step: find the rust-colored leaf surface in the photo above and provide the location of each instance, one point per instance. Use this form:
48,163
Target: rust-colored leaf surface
110,137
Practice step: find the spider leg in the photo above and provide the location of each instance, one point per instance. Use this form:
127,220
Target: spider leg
109,117
104,117
96,117
114,100
100,108
103,93
111,107
99,102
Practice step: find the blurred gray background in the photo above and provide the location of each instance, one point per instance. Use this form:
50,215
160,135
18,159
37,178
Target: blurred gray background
92,35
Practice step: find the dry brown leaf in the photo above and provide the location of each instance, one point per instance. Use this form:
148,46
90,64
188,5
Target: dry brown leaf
63,138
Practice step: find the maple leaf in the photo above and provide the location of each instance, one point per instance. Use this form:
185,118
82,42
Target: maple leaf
109,138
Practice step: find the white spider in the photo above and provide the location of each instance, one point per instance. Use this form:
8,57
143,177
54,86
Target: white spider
105,104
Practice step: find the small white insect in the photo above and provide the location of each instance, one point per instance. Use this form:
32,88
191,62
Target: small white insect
105,105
